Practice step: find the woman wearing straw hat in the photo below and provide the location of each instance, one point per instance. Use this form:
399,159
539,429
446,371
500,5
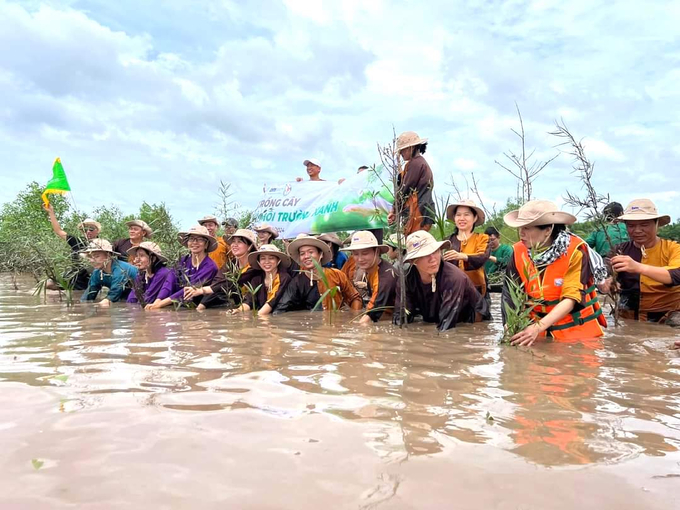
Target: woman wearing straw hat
265,234
232,285
469,250
415,185
154,281
377,275
647,267
108,272
339,259
220,254
90,230
193,270
555,270
436,290
138,230
307,287
272,280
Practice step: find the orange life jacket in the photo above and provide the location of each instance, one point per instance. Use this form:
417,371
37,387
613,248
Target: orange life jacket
545,289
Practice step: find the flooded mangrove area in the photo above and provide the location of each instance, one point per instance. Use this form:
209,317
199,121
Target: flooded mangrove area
118,408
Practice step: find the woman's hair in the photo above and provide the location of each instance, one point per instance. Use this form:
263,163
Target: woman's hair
557,228
492,231
251,246
154,262
421,148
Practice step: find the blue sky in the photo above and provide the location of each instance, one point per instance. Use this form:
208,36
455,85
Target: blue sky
160,104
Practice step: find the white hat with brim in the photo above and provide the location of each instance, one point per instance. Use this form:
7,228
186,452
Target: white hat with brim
299,242
268,249
331,237
312,161
207,218
99,245
421,244
409,139
267,228
247,235
642,209
90,222
141,224
363,240
149,247
198,230
536,213
393,241
451,211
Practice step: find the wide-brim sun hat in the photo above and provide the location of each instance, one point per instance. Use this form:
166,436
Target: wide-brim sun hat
267,228
642,209
247,235
300,241
149,247
421,244
538,212
207,218
331,237
198,230
470,204
90,222
141,224
363,240
409,139
99,245
268,249
312,161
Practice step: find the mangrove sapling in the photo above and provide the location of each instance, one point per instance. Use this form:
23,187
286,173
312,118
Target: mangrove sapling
441,224
521,167
592,203
253,292
518,311
330,292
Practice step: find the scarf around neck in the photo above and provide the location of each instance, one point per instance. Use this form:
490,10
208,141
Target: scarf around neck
555,251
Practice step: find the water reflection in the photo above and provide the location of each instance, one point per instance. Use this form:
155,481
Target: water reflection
575,403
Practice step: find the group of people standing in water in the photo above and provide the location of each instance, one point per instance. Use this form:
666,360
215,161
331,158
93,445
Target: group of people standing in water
445,282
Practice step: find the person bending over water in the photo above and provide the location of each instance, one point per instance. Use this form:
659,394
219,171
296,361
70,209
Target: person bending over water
555,269
155,281
436,290
108,272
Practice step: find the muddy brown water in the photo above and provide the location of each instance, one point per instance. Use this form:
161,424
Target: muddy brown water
117,408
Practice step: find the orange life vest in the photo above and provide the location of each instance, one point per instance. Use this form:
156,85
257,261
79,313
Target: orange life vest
545,289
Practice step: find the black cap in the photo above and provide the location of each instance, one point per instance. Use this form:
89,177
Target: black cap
230,222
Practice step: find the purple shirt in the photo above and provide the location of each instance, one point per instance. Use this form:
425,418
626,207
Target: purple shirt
161,285
188,275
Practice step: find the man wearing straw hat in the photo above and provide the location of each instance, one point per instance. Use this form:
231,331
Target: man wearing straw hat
108,272
309,285
138,230
91,230
438,291
378,275
219,254
415,185
647,267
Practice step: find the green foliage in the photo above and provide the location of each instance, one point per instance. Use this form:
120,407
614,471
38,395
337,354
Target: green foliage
671,231
509,235
517,312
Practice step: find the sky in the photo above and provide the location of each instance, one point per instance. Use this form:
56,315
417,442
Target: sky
160,101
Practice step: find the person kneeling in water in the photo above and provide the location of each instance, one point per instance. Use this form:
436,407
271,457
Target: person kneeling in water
307,287
438,291
155,281
108,272
377,275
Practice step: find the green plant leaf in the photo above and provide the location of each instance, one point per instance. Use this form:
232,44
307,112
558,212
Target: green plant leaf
37,464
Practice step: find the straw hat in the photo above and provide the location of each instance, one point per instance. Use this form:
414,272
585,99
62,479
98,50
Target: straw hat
538,212
247,235
300,241
421,244
198,230
409,139
451,211
643,209
269,249
331,237
141,224
99,245
393,241
267,228
207,218
362,240
91,222
312,161
149,247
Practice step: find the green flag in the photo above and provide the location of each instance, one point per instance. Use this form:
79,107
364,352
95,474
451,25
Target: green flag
58,183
